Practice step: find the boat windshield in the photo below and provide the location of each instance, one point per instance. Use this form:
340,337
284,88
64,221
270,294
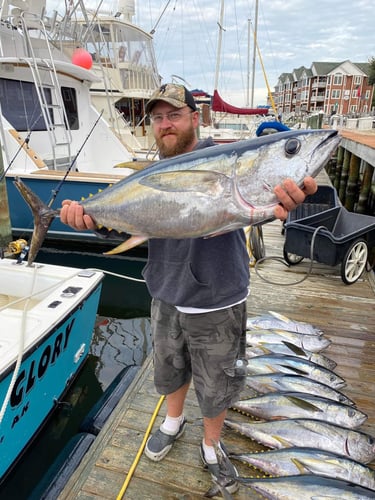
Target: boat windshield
124,47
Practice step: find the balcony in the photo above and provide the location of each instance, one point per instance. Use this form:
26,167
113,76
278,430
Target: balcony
318,85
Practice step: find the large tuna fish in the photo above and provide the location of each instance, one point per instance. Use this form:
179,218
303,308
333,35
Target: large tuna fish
279,405
281,363
308,487
202,193
351,443
298,461
275,382
314,343
276,321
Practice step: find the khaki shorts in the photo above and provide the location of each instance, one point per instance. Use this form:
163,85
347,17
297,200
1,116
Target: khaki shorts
203,347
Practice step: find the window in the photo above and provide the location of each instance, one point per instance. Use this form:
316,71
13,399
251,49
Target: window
335,94
70,104
357,80
20,105
337,80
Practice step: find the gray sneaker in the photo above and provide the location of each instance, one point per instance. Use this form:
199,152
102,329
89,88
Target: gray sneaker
159,444
218,475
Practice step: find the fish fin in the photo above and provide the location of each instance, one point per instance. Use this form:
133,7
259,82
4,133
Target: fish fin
294,348
279,316
284,442
299,465
203,181
131,242
295,370
42,214
301,403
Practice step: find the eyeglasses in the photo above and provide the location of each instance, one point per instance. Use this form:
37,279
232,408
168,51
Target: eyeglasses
172,116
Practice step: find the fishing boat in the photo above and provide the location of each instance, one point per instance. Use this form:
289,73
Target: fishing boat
53,136
47,316
49,127
51,131
123,59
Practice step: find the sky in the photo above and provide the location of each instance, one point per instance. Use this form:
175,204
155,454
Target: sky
290,34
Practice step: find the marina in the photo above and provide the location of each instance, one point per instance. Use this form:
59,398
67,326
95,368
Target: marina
74,89
345,314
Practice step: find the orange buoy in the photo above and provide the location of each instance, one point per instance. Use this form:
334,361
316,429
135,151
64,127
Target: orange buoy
82,58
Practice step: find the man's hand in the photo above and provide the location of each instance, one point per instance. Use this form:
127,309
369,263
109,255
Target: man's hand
290,195
72,214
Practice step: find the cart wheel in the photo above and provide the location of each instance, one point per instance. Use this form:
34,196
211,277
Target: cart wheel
291,258
354,262
256,242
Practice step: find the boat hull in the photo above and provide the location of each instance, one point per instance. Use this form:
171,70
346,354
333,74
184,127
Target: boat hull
57,326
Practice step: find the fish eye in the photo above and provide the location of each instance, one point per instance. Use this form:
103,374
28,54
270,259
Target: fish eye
292,146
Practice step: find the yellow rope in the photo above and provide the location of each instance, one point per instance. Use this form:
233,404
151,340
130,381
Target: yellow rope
140,451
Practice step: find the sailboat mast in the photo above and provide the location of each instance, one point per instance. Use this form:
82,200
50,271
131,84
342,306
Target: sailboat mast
248,63
218,55
254,52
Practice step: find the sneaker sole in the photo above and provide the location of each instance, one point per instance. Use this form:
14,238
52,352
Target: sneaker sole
157,457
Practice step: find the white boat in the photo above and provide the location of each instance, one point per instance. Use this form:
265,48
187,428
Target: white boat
47,316
49,126
124,61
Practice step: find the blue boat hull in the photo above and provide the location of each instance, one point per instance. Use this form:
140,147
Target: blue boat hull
46,372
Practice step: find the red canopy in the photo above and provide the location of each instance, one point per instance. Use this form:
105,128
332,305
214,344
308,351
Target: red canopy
219,105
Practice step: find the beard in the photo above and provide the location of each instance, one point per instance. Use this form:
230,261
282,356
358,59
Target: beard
183,143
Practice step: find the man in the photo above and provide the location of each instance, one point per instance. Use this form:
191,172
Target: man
199,288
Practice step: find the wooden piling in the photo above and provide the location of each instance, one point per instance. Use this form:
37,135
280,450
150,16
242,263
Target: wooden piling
363,200
5,226
352,184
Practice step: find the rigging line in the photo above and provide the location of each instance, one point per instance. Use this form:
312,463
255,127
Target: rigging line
161,15
56,191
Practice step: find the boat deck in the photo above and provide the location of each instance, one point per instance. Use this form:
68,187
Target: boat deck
345,313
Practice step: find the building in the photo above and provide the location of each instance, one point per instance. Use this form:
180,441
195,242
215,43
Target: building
328,87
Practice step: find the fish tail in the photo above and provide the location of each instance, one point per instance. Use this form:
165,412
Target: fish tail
42,214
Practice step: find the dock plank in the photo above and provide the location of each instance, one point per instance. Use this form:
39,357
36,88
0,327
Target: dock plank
345,313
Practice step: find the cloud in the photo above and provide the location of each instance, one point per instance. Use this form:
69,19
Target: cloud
291,33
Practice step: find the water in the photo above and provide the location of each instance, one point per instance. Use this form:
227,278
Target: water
116,344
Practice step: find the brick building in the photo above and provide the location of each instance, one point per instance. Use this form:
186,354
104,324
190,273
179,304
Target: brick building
331,87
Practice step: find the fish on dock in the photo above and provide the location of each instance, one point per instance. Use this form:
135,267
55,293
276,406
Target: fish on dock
290,350
277,382
278,405
273,363
313,343
204,193
352,443
307,487
303,460
276,321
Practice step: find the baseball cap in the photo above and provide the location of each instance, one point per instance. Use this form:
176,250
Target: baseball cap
174,94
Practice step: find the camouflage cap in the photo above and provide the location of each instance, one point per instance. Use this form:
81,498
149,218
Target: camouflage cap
176,95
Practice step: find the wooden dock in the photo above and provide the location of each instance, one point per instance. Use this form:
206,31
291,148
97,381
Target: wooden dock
345,313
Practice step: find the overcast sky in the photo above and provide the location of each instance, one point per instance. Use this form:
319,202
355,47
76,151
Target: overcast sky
290,34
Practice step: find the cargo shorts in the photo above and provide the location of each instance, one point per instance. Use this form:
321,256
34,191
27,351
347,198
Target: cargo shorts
205,348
